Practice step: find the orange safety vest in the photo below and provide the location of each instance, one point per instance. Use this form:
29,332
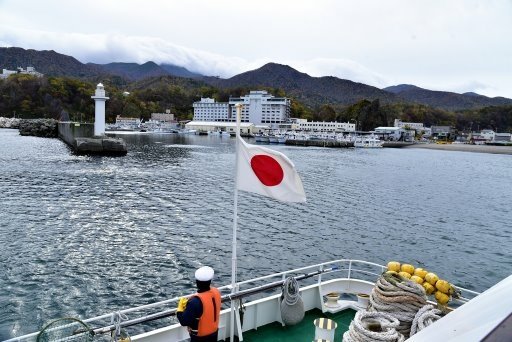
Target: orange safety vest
209,320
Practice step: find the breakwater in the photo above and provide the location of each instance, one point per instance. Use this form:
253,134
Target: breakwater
79,136
46,128
9,122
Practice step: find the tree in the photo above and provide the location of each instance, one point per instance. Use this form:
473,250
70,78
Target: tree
325,113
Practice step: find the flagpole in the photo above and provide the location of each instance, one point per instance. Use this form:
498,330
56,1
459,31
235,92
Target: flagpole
235,225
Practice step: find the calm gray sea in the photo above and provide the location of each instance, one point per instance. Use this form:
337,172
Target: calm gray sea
84,236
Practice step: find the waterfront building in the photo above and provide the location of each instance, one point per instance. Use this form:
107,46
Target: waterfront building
126,121
163,117
441,132
427,132
409,125
390,133
258,108
321,126
208,109
503,137
246,128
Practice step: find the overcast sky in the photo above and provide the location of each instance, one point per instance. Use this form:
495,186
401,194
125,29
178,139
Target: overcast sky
450,45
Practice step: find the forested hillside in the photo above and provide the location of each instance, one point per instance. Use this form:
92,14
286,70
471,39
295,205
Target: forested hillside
70,98
310,92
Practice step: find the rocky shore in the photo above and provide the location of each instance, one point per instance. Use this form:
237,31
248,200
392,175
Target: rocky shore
9,122
466,148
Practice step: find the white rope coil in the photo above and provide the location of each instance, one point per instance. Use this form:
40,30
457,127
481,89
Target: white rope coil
373,326
425,317
292,306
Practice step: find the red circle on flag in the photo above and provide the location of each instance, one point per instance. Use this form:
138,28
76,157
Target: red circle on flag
267,169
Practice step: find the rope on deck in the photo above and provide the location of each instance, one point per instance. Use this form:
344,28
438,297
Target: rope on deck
373,326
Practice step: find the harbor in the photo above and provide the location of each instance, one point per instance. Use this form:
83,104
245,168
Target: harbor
259,172
144,221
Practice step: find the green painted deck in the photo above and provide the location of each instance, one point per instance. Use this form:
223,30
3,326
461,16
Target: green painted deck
305,331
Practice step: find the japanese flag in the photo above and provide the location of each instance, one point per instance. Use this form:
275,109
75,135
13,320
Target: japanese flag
268,173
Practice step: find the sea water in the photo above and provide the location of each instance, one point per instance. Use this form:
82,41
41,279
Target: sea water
83,236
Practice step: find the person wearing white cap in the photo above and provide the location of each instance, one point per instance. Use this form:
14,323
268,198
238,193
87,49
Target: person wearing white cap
201,313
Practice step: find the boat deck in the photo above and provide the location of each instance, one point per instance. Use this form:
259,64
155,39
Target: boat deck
305,331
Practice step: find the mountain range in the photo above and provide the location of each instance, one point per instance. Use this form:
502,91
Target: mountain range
312,91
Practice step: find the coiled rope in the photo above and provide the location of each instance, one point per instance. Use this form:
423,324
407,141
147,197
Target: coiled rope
425,317
373,326
292,306
291,291
399,297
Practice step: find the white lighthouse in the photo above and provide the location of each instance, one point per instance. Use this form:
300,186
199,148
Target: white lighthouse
99,110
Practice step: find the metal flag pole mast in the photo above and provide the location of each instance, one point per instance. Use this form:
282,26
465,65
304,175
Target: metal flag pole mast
235,224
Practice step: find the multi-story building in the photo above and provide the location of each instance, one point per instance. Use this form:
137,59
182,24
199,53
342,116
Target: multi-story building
408,125
258,108
163,117
320,126
209,110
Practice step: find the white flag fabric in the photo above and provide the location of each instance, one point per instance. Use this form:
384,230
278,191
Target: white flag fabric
268,173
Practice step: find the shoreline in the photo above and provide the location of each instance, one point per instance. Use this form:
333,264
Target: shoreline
466,148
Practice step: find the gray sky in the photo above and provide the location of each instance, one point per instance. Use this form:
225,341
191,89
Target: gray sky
450,45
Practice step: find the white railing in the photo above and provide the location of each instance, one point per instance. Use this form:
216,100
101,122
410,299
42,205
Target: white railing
350,267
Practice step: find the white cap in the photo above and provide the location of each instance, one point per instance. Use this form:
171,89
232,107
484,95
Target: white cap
204,273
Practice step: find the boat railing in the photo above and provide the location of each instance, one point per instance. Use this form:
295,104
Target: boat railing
349,269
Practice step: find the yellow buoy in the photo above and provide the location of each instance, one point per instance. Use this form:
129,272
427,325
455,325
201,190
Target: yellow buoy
432,278
443,286
442,298
407,268
417,279
394,266
405,275
429,289
420,272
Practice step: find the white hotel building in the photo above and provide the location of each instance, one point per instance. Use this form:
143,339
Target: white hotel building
259,108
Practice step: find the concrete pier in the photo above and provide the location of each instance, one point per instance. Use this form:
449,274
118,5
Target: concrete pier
80,137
